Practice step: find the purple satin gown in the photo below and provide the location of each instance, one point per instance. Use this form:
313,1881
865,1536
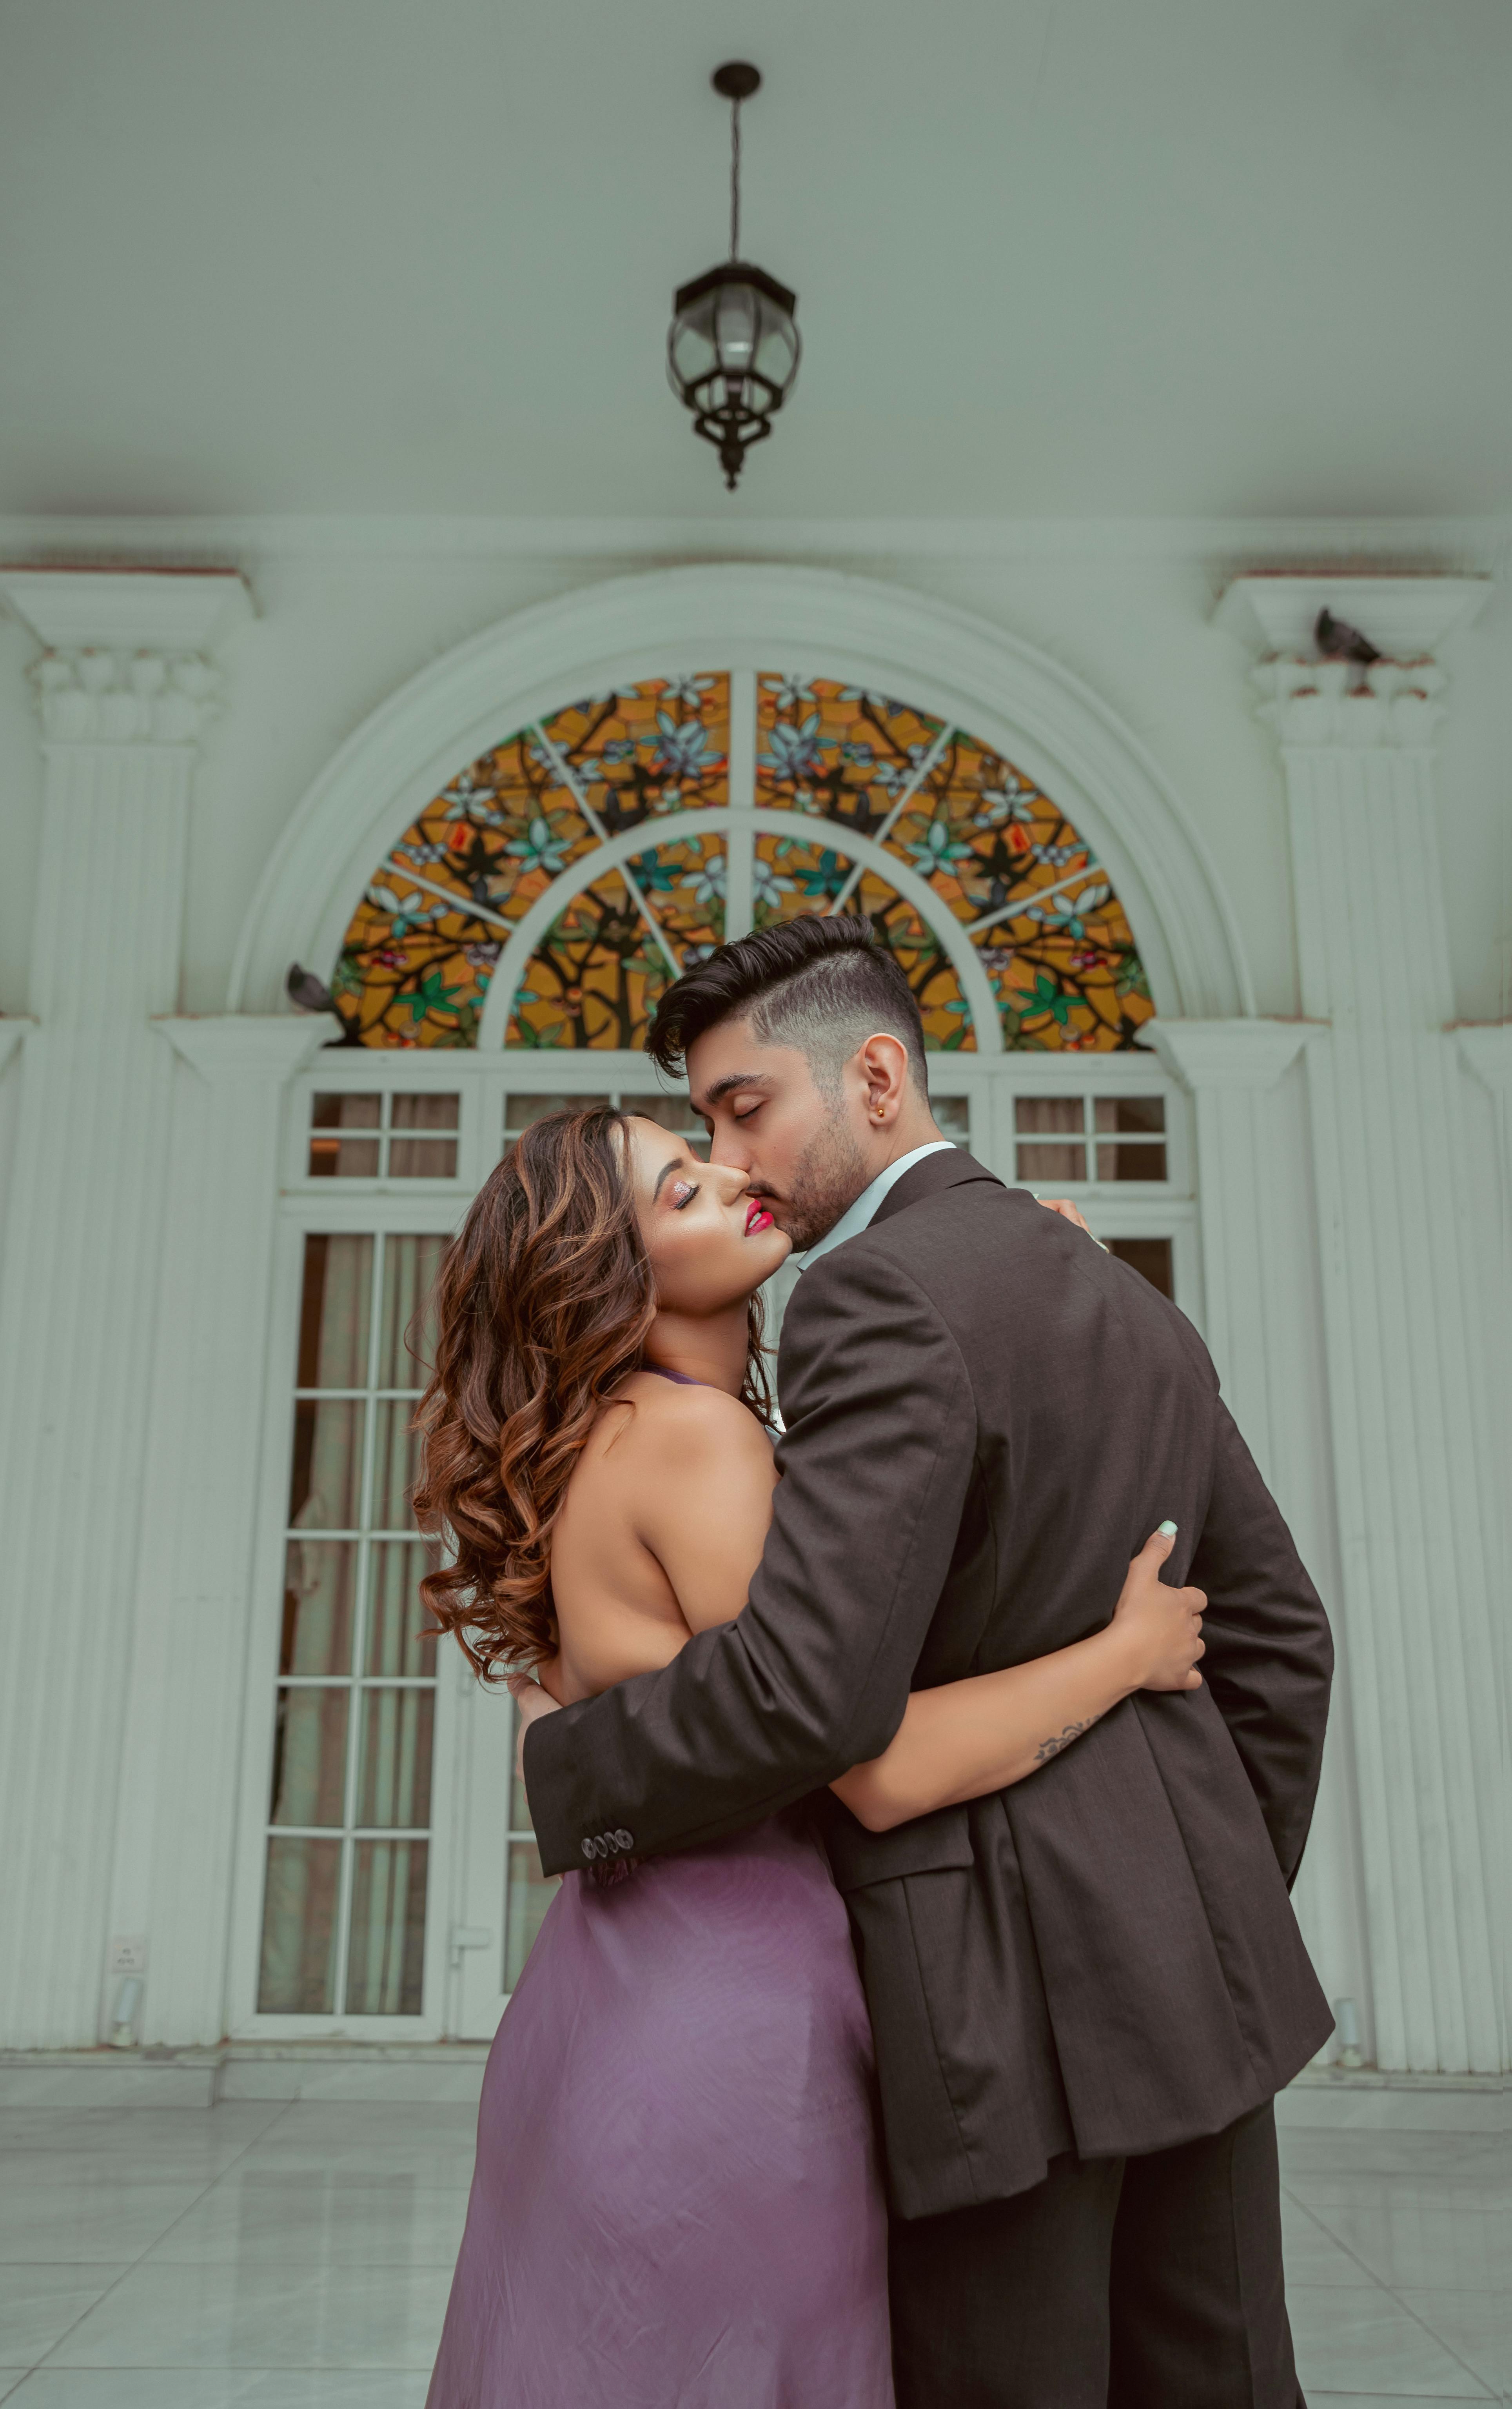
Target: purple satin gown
677,2202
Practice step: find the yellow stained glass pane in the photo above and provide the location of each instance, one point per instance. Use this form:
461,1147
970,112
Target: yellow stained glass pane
837,750
423,944
1057,945
801,874
598,975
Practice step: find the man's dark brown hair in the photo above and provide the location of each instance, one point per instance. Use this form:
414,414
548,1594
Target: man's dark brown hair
823,986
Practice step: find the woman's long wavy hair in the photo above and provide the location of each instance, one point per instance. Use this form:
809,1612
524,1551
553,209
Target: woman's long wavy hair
542,1306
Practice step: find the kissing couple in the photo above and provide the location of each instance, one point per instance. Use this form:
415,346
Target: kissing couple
907,2027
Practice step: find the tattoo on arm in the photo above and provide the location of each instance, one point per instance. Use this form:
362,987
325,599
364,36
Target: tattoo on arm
1052,1747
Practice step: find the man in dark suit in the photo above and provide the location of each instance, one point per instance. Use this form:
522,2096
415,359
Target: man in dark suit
1087,1990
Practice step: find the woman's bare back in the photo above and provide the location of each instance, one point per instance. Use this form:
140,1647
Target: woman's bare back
662,1527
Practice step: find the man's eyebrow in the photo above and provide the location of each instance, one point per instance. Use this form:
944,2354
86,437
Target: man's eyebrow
734,1079
676,1165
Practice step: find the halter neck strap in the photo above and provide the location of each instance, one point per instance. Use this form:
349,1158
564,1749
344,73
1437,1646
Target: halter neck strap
684,1379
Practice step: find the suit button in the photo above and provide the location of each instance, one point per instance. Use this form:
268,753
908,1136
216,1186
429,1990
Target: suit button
626,1839
587,1847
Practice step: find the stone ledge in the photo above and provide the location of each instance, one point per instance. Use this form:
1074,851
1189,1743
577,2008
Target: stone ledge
1368,2100
443,2073
437,2072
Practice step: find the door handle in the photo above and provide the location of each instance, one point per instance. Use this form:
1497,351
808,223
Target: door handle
469,1936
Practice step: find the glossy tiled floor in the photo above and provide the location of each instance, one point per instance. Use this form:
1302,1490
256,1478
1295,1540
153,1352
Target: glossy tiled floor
297,2256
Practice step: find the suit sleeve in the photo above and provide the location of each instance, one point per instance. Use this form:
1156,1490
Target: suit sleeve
812,1675
1269,1654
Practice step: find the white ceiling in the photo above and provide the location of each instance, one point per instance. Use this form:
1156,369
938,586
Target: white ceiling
1054,257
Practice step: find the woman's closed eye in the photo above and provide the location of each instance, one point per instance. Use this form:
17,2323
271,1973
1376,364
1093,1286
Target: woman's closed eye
684,1191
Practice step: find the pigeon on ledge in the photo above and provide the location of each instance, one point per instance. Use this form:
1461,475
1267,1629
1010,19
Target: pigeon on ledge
308,992
1336,640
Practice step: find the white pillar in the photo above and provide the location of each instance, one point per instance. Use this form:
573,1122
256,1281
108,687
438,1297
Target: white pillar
172,1879
1406,1381
1230,1068
1261,1316
124,689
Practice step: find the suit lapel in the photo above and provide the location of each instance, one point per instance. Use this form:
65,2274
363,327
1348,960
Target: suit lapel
931,1178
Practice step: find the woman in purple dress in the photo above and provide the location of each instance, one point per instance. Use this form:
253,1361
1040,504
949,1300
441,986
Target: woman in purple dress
677,2202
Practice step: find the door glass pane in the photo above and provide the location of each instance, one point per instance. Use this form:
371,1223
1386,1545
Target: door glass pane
395,1463
406,1342
1149,1257
1043,1163
334,1156
423,1111
1134,1114
1042,1116
954,1116
393,1780
297,1974
386,1959
318,1579
398,1640
310,1757
1131,1162
355,1713
520,1111
531,1893
422,1157
325,1482
332,1324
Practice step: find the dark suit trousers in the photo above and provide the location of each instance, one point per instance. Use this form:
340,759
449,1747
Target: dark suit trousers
1148,2283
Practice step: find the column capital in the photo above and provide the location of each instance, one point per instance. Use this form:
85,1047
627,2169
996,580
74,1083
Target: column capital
1206,1054
123,659
233,1045
1389,702
108,697
1406,618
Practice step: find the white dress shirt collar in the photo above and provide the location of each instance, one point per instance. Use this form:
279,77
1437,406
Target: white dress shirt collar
859,1215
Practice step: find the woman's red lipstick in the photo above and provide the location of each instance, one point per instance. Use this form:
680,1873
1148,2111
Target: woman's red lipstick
757,1216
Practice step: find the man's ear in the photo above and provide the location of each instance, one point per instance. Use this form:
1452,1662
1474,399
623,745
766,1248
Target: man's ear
883,1062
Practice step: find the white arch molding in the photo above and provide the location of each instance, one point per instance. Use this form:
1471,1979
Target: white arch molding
975,987
734,616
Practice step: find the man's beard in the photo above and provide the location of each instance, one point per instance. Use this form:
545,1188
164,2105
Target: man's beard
830,1173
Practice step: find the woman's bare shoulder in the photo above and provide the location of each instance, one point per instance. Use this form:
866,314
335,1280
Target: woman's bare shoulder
675,1415
677,1426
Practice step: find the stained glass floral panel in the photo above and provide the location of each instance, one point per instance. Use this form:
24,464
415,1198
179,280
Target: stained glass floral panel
421,948
801,874
600,973
1056,944
836,750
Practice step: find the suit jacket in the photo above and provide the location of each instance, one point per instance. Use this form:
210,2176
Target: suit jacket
986,1417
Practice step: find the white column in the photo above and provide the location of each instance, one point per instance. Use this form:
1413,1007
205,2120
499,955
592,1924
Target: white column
1406,1380
1262,1316
183,1705
1230,1068
124,689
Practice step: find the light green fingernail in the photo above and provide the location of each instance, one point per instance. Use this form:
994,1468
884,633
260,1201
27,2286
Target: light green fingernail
1167,1531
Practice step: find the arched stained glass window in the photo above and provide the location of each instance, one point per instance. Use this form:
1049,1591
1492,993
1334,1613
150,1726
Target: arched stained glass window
761,797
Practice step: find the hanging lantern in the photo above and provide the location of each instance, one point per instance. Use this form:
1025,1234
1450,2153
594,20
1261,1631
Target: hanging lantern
732,349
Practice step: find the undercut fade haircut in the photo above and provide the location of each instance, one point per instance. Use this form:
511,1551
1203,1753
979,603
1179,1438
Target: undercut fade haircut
823,986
